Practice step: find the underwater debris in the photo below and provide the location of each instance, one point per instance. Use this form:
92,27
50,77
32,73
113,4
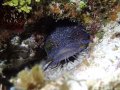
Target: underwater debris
64,43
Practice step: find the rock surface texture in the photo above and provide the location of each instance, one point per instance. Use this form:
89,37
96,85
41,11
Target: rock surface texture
100,68
97,68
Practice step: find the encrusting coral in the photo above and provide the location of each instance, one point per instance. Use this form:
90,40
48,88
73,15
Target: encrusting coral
34,80
30,79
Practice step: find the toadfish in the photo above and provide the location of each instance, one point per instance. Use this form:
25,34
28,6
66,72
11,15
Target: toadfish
65,42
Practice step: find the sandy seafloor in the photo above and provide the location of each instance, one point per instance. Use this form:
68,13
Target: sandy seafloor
98,69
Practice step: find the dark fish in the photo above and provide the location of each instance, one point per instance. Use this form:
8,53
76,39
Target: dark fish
65,42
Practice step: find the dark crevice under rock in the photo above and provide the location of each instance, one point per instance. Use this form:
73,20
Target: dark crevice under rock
44,27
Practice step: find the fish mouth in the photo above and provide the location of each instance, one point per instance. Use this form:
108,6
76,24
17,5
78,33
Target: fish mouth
63,54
